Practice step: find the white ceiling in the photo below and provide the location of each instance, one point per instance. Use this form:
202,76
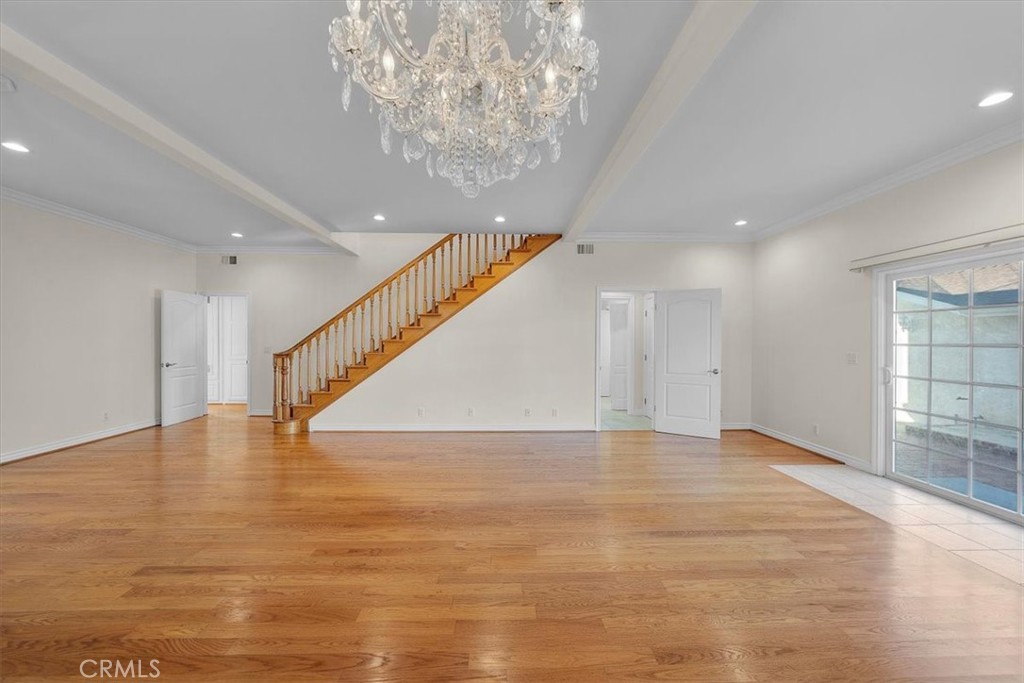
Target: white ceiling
809,102
812,100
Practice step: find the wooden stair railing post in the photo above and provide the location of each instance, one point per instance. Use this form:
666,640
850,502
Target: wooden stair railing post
360,329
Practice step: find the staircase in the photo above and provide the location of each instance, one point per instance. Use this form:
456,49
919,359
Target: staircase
390,318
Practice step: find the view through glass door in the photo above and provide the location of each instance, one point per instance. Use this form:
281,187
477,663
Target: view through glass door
955,397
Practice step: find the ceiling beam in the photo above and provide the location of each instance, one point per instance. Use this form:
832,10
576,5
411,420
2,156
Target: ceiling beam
708,29
21,57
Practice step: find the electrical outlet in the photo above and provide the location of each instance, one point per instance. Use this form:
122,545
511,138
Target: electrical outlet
106,417
469,412
851,359
421,412
527,412
817,429
554,412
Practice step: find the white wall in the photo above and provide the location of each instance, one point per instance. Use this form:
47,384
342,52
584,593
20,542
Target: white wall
79,319
291,295
530,343
810,311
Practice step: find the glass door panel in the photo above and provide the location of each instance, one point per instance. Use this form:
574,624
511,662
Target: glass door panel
955,397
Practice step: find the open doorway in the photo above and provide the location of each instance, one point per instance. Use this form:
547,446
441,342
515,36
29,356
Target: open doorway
659,361
625,360
227,348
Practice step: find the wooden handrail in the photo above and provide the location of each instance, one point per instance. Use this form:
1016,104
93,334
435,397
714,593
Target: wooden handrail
384,315
376,290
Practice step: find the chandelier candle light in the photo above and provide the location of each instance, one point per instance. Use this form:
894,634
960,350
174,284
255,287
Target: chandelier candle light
476,113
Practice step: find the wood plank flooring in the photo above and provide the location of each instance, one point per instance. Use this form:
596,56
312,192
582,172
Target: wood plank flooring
230,554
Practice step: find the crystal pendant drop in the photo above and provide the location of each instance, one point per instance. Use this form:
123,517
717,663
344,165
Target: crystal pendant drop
533,160
417,147
346,93
473,115
385,134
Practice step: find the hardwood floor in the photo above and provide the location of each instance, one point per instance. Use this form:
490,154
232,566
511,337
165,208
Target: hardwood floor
230,554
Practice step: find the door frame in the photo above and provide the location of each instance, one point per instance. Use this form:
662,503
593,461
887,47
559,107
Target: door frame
629,292
249,341
880,348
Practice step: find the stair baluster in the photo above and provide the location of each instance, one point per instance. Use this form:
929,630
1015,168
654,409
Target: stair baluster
360,328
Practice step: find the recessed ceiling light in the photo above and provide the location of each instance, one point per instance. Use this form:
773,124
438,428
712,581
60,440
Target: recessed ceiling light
740,223
237,234
378,217
499,219
14,146
995,98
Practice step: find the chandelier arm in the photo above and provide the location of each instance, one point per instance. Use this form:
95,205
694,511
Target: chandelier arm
389,35
358,77
544,54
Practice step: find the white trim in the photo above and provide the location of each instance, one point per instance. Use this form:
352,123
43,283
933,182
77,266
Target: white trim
736,426
666,237
1001,137
978,240
240,250
21,453
448,428
34,202
260,412
830,453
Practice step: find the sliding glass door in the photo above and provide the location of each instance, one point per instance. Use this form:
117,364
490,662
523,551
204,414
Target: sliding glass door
955,396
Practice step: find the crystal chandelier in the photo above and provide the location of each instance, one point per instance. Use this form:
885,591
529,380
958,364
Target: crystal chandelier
473,110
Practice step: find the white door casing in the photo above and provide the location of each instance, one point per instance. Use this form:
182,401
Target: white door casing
687,352
183,382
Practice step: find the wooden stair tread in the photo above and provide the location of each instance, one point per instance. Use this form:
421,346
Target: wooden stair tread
476,284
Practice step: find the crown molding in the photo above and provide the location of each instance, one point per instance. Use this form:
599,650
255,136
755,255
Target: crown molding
32,201
298,251
1001,137
665,237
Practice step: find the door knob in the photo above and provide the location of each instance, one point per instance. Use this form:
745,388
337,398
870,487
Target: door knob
713,372
167,365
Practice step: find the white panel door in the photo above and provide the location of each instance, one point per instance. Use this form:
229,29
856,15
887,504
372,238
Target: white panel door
620,354
687,355
182,357
235,321
649,355
605,352
213,378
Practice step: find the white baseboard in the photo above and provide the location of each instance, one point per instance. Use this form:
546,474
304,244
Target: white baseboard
732,426
21,453
260,412
830,453
448,428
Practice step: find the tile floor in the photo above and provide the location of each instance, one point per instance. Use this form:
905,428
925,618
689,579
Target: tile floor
993,543
620,420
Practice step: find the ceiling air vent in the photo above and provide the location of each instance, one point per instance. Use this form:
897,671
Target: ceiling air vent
582,248
229,260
